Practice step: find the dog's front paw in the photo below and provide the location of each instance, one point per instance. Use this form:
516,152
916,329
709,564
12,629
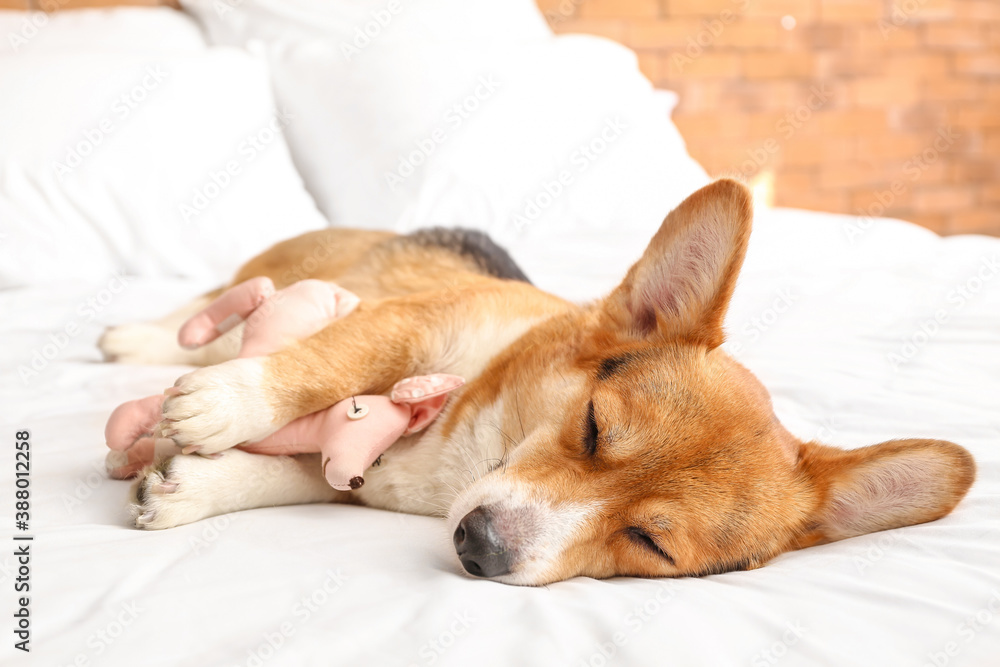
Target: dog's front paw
219,407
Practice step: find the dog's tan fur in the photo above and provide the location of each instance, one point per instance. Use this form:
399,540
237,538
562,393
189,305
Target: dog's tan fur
691,473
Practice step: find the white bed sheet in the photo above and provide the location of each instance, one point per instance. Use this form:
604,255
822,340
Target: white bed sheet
335,585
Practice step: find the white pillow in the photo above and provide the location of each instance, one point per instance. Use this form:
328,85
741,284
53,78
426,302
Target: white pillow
462,112
164,165
125,29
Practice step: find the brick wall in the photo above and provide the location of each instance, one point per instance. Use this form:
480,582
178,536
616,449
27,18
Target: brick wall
56,5
887,107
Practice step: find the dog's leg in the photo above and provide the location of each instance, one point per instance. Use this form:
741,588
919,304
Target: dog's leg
183,489
156,342
450,331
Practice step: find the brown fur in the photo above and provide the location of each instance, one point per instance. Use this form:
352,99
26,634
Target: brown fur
689,451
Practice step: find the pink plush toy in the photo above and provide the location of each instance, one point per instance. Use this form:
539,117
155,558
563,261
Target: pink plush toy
351,434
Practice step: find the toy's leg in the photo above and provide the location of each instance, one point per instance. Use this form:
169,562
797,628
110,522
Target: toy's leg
131,421
220,316
295,313
142,454
156,342
129,436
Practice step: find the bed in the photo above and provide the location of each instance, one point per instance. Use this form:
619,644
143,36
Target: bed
863,330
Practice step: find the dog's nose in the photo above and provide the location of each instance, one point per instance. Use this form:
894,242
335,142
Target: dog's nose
478,546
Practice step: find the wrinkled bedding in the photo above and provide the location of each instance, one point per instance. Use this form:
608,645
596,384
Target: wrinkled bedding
861,335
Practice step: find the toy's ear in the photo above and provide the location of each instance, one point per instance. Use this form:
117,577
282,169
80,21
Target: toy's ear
426,395
425,412
889,485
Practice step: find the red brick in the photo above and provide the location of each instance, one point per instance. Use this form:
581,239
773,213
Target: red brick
618,9
561,7
974,222
953,90
983,64
847,175
835,64
890,146
726,154
943,198
954,35
662,34
804,11
680,64
720,125
976,117
990,193
849,11
871,37
701,7
821,36
884,91
882,200
917,11
755,96
778,65
918,117
806,150
753,34
799,179
991,143
922,64
979,10
853,122
992,88
974,171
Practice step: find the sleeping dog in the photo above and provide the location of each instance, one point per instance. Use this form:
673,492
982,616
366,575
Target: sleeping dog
614,438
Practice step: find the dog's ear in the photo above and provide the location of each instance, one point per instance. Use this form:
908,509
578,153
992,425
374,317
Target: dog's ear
893,484
681,286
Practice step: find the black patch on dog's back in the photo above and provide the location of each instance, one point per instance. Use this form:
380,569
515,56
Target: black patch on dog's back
471,244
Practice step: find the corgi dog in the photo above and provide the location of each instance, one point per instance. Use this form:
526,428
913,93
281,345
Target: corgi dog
612,438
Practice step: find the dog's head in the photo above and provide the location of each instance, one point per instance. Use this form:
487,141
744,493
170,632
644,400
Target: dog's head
640,448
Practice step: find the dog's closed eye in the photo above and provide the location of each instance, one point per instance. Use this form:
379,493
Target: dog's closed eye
590,432
641,538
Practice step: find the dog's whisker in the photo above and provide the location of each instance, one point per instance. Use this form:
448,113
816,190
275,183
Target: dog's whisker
473,466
